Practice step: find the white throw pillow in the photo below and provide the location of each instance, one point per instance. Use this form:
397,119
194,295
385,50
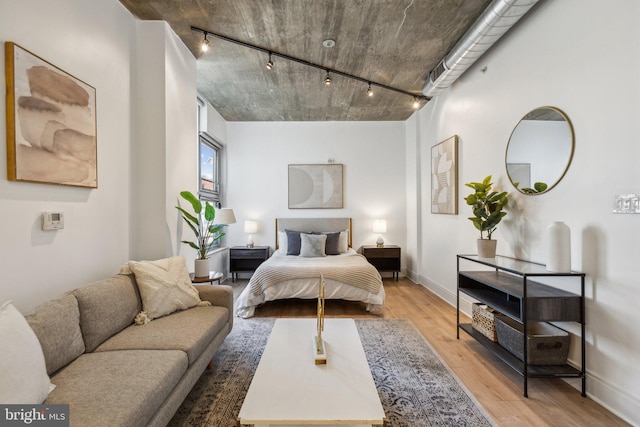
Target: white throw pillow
23,373
312,245
164,286
343,241
282,242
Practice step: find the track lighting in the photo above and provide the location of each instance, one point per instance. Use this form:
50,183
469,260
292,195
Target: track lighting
417,99
204,46
269,63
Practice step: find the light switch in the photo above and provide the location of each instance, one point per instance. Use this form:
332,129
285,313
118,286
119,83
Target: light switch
627,204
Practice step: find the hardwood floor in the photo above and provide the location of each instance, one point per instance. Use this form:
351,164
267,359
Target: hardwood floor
551,402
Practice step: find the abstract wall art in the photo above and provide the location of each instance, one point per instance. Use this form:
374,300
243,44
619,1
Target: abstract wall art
51,123
315,186
444,177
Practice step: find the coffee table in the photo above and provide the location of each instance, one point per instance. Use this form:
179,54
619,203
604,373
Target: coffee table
288,388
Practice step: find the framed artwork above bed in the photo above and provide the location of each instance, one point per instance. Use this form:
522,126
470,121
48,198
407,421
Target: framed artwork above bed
315,186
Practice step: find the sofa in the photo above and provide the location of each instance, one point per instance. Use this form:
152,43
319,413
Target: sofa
114,372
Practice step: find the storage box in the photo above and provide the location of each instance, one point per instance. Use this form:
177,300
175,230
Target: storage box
546,344
482,320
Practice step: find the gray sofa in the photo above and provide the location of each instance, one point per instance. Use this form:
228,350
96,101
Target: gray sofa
112,372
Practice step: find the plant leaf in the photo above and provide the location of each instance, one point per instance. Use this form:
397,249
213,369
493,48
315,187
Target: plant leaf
195,203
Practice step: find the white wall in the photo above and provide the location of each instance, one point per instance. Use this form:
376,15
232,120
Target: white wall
557,57
146,149
92,41
373,155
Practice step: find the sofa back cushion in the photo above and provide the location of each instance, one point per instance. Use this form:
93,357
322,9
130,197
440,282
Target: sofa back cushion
56,323
106,308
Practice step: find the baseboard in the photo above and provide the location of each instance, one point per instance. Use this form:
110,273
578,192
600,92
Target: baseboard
607,395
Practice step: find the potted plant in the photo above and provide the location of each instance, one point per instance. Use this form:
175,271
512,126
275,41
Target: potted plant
487,207
207,233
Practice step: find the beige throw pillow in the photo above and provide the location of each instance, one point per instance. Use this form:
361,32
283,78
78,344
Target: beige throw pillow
164,287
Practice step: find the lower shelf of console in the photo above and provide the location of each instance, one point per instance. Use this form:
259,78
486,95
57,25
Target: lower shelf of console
533,371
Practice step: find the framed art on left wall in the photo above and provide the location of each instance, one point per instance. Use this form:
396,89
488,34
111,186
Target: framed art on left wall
51,123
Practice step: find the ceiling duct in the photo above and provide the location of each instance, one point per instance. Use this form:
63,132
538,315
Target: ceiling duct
496,20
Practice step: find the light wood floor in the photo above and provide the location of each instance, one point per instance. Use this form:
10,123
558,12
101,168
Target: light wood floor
551,402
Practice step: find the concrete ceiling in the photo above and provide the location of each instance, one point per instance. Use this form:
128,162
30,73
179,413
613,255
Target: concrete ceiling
391,42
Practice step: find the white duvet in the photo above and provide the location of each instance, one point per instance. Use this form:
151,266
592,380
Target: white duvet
307,288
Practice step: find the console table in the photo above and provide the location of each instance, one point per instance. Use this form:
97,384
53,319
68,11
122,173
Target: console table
505,285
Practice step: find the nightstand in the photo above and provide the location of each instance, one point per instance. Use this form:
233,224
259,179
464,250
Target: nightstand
384,258
246,260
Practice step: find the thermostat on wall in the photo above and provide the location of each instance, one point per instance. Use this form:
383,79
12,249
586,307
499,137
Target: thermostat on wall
52,220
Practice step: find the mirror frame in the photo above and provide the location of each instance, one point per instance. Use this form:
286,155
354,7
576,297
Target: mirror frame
568,162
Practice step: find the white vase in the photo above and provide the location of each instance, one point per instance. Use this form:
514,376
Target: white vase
558,247
202,268
487,248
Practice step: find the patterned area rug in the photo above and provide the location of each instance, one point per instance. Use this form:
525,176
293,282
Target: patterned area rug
415,386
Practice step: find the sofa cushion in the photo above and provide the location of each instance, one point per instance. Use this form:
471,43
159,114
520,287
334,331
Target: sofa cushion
119,388
188,330
57,326
106,308
164,286
22,367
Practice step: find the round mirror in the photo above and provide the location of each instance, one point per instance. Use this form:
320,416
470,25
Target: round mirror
540,150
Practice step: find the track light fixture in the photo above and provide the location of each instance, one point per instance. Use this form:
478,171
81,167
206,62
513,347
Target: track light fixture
204,46
327,80
269,63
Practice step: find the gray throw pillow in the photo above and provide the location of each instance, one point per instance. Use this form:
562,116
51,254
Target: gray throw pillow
332,246
312,245
293,242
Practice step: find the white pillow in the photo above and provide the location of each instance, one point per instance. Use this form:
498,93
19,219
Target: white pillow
164,286
312,245
343,242
282,242
22,367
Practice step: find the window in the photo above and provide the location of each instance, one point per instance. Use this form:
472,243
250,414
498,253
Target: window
209,168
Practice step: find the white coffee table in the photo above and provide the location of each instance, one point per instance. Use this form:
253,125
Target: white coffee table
288,388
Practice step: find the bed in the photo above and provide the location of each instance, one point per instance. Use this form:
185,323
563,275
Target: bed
293,272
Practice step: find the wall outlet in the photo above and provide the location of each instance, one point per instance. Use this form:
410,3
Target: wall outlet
627,204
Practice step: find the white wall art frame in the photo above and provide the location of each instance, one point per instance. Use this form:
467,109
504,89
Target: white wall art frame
444,177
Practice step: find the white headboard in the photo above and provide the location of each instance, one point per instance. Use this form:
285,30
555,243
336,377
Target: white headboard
313,224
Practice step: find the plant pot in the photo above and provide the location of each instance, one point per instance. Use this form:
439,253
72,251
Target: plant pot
202,268
487,248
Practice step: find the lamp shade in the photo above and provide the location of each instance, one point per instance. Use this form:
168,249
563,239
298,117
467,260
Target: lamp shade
225,216
380,226
250,227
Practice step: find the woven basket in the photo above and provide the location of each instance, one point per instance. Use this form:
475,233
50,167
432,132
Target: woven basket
483,321
546,344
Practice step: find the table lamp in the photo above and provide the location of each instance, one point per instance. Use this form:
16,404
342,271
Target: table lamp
250,227
380,227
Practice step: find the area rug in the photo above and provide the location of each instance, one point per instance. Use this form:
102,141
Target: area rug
416,388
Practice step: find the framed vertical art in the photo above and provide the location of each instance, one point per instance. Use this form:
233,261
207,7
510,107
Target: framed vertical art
51,123
444,177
